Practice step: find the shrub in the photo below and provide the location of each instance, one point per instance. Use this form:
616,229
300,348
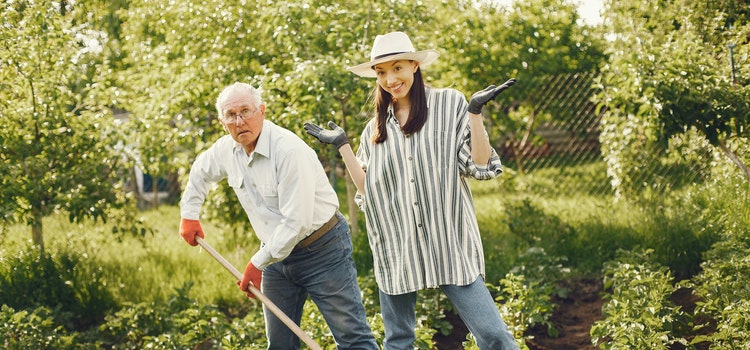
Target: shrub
638,314
36,329
679,230
724,293
524,295
61,282
180,323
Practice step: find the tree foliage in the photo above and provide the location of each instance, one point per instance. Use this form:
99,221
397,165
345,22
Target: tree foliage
669,74
297,51
164,62
58,138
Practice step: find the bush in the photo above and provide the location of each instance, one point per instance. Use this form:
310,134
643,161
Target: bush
180,323
724,293
524,296
61,282
679,230
32,330
638,314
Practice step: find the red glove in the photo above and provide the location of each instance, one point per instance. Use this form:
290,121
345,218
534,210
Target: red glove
189,229
252,275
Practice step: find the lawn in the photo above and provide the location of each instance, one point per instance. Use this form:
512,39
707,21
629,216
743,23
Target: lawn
98,289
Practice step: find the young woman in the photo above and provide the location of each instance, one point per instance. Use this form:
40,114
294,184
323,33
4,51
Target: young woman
411,173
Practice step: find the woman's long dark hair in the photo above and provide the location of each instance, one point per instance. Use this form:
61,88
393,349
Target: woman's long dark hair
417,111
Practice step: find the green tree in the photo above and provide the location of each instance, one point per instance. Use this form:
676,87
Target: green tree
180,54
177,57
297,51
533,41
58,137
318,88
669,74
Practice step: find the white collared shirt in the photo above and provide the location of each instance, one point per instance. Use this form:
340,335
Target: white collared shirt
281,185
421,221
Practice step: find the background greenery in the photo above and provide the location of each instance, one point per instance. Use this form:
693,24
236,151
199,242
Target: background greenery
88,90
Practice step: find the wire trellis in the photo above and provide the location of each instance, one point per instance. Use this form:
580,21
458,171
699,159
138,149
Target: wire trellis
561,142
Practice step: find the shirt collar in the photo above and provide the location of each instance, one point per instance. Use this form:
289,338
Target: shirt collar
263,147
391,115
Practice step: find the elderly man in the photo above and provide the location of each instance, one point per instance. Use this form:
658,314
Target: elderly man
306,244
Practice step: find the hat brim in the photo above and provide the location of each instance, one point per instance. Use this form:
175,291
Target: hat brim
366,70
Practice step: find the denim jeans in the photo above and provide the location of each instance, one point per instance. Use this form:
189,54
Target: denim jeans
473,303
325,271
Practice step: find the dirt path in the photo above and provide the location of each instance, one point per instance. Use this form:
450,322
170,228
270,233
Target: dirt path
573,318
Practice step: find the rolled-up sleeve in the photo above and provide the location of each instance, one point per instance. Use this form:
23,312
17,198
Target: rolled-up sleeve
466,164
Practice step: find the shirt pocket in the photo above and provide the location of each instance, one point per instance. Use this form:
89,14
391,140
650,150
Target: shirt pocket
237,184
243,195
268,194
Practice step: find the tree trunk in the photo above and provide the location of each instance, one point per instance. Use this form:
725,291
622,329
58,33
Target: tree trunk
155,192
36,230
735,159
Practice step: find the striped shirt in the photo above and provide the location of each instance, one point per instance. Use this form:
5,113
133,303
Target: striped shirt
419,211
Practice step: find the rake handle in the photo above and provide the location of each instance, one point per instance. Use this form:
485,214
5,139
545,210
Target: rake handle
263,299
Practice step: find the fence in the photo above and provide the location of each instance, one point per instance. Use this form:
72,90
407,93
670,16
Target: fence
561,141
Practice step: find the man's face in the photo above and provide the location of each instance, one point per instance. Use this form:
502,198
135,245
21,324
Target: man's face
242,119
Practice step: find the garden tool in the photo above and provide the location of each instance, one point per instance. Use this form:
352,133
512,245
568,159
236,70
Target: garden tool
263,299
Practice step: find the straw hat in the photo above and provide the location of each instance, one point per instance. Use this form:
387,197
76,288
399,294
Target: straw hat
392,47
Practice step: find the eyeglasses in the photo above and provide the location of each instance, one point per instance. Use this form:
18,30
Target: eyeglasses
233,118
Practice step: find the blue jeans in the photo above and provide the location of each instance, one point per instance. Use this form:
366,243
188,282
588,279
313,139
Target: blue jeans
473,303
325,271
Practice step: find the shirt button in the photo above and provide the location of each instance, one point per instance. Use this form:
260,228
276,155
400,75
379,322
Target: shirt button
412,180
419,225
415,203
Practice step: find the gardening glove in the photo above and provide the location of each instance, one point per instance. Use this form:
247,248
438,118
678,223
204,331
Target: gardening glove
336,136
480,98
251,275
189,229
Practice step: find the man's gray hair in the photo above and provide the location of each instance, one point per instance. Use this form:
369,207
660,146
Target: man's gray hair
254,92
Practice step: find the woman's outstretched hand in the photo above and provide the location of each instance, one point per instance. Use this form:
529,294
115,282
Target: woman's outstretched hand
480,98
336,136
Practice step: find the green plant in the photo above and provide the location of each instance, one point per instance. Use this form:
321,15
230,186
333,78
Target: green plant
35,329
638,314
63,282
724,294
524,303
180,323
679,229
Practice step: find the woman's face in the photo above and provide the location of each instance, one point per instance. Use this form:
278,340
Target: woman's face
396,77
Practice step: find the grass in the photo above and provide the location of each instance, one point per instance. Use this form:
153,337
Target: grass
173,290
143,269
583,228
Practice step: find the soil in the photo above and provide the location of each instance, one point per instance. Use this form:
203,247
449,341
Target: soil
573,318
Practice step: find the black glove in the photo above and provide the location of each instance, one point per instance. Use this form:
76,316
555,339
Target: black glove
336,136
480,98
